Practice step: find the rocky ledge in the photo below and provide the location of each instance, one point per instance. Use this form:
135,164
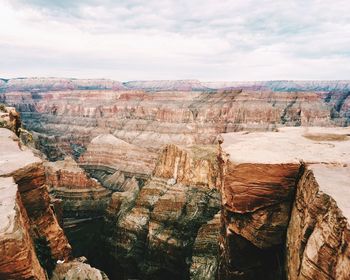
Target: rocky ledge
31,239
26,215
285,192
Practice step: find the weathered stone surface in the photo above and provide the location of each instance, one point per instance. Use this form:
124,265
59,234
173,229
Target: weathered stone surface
152,230
9,118
27,211
110,160
190,166
81,196
319,233
205,254
18,259
260,173
75,270
178,112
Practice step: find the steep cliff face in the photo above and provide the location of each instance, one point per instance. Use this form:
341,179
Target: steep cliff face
27,216
318,235
260,173
81,196
31,239
151,116
112,160
152,229
18,260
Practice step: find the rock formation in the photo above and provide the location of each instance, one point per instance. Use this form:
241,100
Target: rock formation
31,239
262,173
81,196
153,114
318,235
159,200
111,160
152,230
26,215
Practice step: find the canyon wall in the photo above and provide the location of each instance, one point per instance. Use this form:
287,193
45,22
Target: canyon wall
283,215
27,218
159,200
318,235
31,238
153,229
153,114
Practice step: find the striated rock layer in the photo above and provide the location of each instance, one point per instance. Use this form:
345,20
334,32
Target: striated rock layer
152,114
112,160
81,196
26,215
151,230
261,172
318,235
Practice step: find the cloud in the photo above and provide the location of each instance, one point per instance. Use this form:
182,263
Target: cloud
208,40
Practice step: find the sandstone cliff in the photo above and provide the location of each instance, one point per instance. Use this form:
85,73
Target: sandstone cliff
262,174
81,196
318,235
66,120
111,160
152,229
27,216
31,239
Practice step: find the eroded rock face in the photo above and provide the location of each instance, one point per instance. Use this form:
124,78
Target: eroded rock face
81,196
260,172
152,228
112,160
319,232
77,269
205,254
9,118
18,258
27,216
152,114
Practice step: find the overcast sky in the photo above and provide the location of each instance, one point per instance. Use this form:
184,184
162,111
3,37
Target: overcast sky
180,39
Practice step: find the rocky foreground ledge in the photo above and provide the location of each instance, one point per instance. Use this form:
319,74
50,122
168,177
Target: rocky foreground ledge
286,204
31,240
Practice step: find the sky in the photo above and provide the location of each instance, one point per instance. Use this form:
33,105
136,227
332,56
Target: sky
221,40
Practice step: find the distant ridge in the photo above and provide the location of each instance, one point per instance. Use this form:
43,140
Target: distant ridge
38,84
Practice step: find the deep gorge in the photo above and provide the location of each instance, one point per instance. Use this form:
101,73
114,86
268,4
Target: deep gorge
145,187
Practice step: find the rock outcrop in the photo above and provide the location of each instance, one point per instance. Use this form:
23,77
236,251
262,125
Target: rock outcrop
152,229
260,173
318,235
9,118
81,196
112,160
77,269
153,114
26,216
205,253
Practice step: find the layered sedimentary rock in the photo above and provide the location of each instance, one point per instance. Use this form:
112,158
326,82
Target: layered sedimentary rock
205,253
151,114
112,160
318,236
81,196
152,229
27,216
260,172
18,258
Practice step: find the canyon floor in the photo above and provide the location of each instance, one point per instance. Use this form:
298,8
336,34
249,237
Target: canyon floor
101,179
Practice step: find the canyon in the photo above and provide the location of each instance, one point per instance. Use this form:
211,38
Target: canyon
175,179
